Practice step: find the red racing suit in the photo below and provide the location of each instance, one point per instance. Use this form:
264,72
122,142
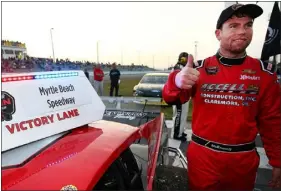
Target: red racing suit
232,103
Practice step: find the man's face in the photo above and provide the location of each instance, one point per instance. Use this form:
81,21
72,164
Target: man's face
184,60
236,34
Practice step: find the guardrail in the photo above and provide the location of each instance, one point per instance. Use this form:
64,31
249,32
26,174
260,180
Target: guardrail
133,72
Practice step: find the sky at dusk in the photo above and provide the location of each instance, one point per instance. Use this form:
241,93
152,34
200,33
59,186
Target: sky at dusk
137,30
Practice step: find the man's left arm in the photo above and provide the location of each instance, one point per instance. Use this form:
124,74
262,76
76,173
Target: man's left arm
269,121
269,124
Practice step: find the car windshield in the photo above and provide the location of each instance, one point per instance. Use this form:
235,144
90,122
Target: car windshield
154,80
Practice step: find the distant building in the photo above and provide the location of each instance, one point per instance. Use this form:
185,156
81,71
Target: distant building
12,49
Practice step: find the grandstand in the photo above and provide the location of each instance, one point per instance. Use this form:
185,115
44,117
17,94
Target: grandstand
21,62
44,64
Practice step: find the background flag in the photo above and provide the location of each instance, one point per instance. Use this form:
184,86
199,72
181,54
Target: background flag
271,46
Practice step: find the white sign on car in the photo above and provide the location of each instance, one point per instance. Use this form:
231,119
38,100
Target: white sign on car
40,104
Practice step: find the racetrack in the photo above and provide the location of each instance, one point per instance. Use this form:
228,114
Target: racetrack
123,76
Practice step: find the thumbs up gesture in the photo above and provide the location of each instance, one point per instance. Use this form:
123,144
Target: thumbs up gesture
188,76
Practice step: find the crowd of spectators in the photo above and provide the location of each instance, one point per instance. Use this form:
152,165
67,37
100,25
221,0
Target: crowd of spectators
33,64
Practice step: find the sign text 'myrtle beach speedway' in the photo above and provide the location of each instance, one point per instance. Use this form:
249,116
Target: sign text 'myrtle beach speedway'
56,90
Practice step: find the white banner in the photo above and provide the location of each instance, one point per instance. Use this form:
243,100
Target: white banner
46,105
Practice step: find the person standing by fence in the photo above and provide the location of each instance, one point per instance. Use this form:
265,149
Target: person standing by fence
114,75
98,79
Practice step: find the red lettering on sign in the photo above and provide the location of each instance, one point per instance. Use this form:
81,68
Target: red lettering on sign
51,118
29,124
17,127
11,128
21,126
40,121
76,112
37,122
68,114
71,113
44,120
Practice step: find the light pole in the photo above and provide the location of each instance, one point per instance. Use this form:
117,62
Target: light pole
153,61
139,57
168,62
98,51
195,50
122,57
52,44
121,48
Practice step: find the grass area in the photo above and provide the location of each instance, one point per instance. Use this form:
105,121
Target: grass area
126,90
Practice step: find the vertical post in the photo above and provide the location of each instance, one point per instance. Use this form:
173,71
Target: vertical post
98,52
121,56
139,57
195,50
153,61
168,62
52,44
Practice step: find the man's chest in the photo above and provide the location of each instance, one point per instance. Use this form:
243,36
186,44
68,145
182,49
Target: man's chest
230,86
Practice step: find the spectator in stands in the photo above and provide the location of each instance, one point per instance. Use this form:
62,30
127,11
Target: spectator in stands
114,75
98,79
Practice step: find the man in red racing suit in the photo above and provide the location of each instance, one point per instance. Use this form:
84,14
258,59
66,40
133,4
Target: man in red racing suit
234,99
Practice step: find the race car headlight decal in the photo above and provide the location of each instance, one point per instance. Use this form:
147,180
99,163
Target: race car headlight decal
38,77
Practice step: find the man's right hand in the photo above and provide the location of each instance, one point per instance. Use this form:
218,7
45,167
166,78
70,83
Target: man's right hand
188,76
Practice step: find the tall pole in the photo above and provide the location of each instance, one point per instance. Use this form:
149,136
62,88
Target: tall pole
195,50
122,57
98,52
153,61
168,62
139,57
52,44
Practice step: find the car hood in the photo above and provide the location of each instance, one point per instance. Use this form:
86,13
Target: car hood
150,86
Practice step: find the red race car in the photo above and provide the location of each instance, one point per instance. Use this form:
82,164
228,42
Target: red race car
57,134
